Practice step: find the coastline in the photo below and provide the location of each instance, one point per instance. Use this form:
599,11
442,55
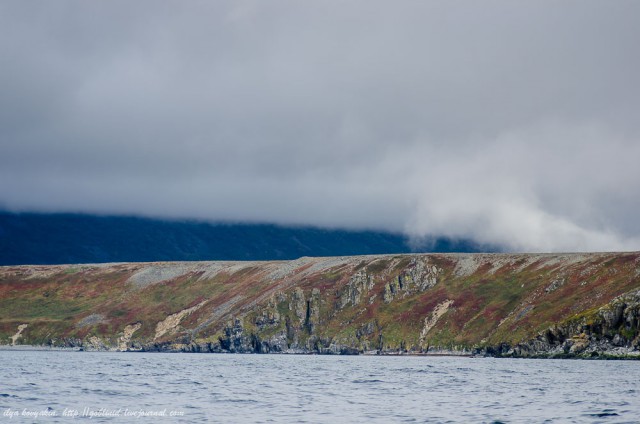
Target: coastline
513,305
603,356
23,348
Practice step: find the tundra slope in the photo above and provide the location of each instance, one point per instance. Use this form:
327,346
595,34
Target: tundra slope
524,305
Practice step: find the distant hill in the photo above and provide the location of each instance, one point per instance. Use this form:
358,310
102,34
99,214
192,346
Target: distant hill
43,239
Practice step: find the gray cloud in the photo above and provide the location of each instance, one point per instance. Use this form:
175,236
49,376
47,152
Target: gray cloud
514,124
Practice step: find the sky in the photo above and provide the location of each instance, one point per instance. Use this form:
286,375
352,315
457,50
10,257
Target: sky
509,123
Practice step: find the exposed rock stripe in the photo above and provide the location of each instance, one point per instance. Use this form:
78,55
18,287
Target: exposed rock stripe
15,337
169,324
123,342
432,319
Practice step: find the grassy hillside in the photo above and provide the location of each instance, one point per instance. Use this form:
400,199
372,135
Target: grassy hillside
502,304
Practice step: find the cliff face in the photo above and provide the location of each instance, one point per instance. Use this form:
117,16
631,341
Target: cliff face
495,304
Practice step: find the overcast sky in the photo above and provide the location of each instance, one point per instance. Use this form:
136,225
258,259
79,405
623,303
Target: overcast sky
512,123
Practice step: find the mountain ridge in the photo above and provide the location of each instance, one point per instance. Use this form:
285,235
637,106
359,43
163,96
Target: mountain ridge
46,239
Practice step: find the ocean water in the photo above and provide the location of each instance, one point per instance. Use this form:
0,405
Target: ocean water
56,386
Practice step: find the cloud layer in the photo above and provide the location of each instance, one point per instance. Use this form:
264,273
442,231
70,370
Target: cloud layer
512,124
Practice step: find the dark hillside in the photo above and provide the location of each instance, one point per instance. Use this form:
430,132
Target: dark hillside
43,239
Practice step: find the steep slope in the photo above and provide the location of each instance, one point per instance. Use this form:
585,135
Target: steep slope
495,304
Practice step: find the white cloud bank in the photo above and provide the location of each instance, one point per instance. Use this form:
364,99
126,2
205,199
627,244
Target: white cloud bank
512,124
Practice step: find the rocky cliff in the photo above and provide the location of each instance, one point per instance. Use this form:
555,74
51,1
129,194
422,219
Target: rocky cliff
559,305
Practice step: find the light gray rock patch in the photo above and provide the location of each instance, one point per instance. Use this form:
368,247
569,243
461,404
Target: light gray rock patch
158,273
90,320
466,265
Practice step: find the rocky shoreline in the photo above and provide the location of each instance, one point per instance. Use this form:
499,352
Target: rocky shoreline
503,351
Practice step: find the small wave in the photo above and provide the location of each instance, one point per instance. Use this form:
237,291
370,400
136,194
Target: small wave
604,413
364,381
239,401
422,369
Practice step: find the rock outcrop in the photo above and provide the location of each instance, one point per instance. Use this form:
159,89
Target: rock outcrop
612,331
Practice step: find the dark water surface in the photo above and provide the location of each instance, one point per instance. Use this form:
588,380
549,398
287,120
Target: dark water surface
52,386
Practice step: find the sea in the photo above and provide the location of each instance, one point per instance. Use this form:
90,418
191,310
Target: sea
95,387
